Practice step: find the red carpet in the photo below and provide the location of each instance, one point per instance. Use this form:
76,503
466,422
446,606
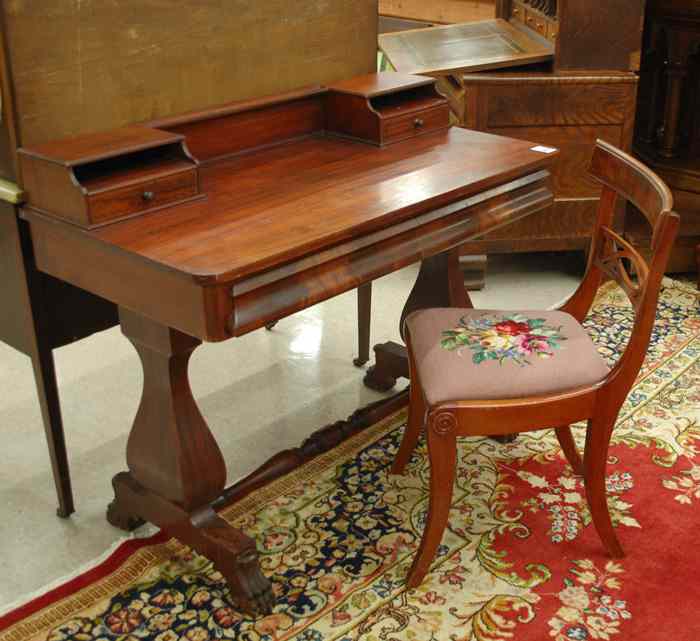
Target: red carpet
520,561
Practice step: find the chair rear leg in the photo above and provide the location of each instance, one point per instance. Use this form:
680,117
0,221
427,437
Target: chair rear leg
442,450
595,463
414,426
568,446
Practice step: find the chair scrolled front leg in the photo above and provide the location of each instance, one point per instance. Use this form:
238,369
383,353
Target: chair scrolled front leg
595,462
442,453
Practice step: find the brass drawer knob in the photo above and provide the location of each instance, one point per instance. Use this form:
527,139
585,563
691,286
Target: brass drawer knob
148,196
418,123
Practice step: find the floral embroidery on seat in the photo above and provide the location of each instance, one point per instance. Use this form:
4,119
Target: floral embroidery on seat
515,337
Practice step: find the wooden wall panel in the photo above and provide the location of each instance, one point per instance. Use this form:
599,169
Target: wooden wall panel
86,66
439,11
605,36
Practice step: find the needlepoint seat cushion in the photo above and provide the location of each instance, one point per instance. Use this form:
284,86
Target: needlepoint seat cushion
469,354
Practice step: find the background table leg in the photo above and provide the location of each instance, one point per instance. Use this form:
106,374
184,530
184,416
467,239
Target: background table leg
440,283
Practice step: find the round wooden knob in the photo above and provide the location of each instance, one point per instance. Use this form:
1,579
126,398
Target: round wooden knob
418,123
148,196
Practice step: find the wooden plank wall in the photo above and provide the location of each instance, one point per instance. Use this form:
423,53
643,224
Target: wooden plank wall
87,65
441,11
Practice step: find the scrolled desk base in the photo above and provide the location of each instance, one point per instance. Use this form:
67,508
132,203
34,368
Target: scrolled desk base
176,469
231,551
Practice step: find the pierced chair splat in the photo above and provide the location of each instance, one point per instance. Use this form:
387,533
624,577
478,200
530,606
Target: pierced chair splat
480,372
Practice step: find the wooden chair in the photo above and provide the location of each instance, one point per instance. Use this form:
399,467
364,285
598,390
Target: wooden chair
477,372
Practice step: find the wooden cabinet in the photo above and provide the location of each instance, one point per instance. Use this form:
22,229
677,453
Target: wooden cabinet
667,137
569,111
559,73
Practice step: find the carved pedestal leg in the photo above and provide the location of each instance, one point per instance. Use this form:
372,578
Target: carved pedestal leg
176,469
474,271
439,284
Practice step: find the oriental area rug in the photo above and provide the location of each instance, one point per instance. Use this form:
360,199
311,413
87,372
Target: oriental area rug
520,560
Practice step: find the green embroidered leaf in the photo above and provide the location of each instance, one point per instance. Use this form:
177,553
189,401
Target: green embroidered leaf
449,344
479,357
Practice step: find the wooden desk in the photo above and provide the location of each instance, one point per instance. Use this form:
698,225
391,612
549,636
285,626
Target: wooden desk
288,201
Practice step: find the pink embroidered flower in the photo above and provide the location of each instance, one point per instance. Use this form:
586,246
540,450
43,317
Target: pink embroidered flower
532,344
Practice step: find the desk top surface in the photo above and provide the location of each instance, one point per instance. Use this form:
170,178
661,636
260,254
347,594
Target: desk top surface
278,204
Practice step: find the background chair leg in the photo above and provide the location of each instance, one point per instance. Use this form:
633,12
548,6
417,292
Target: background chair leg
414,426
364,316
442,450
568,446
595,463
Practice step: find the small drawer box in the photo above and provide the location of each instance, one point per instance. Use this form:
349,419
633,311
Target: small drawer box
384,109
415,124
126,201
97,179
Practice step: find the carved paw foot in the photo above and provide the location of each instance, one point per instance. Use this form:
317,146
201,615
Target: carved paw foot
359,362
121,518
377,381
249,586
121,512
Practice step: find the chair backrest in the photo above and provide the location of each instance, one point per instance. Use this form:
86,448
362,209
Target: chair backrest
611,255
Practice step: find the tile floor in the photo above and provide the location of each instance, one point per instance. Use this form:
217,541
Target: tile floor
260,394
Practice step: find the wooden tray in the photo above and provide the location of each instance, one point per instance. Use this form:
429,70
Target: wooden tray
467,47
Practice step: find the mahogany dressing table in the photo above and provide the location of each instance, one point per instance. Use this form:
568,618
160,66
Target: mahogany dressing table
210,225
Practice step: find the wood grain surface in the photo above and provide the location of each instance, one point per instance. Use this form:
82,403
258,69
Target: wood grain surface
440,11
266,206
117,63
